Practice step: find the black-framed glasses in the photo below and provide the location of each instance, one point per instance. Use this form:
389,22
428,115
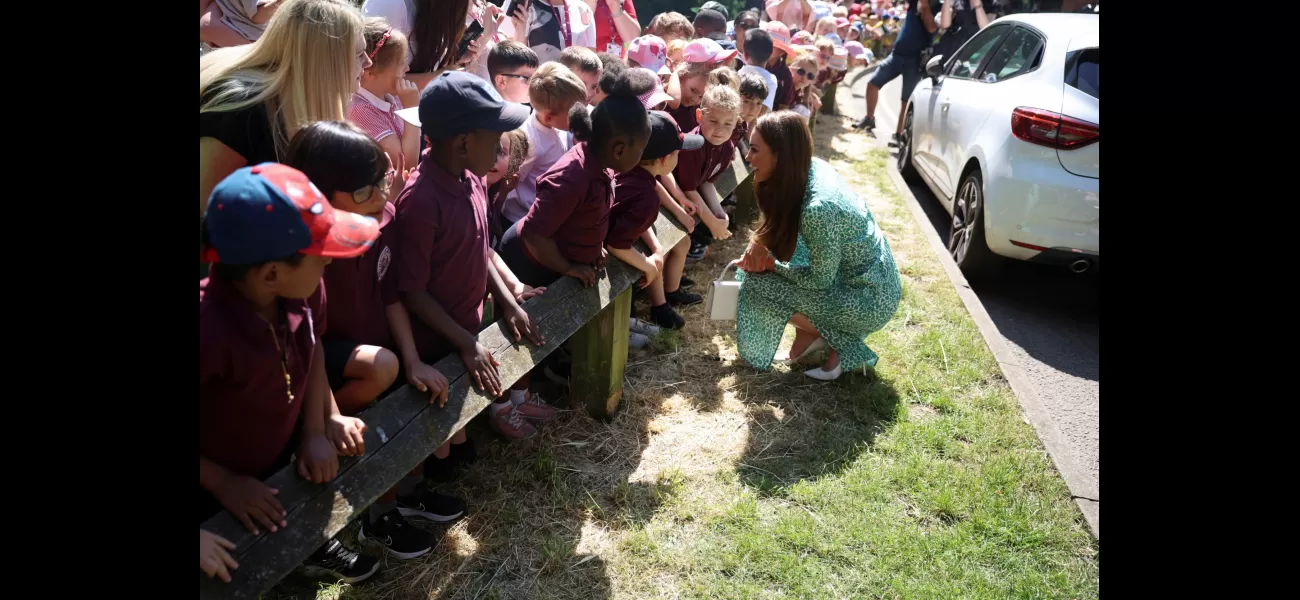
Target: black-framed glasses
802,72
367,193
525,78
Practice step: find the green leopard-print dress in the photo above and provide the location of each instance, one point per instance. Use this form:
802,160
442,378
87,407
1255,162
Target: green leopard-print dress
842,276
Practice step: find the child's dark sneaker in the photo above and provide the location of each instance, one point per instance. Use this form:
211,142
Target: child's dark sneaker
531,406
336,561
686,284
664,316
506,420
426,503
683,298
697,253
399,538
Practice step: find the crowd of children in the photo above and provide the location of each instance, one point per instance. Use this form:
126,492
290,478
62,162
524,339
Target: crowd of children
395,229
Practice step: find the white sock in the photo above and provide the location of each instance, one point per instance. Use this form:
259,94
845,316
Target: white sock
500,404
517,396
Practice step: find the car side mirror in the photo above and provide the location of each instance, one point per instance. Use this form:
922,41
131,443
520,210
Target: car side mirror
934,68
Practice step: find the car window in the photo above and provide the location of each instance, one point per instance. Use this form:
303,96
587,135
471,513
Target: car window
967,60
1084,75
1020,53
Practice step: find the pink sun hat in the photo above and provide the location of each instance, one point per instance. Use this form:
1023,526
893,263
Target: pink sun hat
854,49
780,35
654,96
650,51
705,50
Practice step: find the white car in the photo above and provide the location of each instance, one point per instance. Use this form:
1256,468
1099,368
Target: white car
1006,135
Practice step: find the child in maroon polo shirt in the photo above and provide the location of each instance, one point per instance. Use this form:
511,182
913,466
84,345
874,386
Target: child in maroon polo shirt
444,264
262,378
753,90
636,205
366,320
564,230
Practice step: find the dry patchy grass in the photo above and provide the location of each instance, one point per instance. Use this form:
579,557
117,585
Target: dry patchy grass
917,479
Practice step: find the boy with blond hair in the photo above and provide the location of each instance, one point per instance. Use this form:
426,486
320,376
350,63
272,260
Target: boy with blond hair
672,26
553,90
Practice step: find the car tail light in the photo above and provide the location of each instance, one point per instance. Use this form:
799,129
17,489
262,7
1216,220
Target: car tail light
1054,130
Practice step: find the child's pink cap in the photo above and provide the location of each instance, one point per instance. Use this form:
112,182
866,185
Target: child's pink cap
654,96
854,49
705,50
650,52
841,22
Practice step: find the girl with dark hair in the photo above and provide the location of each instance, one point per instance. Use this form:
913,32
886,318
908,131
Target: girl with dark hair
818,260
434,28
369,328
564,230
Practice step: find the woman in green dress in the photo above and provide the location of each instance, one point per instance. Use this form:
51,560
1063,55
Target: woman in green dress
818,261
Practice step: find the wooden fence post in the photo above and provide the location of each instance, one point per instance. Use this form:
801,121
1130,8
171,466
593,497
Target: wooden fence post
599,356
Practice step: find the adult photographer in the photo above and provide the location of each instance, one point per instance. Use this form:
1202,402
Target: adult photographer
959,20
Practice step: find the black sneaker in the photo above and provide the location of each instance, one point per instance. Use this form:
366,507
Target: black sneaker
667,318
439,508
686,284
895,140
399,538
697,253
865,123
336,561
683,298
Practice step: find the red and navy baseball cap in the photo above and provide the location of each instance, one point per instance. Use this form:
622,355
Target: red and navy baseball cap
269,211
666,137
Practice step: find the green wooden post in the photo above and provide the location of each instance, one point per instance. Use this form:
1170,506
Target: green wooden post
828,99
599,356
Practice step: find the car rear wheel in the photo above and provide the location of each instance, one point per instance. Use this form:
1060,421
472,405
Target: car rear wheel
966,237
905,166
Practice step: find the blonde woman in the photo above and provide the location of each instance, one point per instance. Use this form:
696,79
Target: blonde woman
254,98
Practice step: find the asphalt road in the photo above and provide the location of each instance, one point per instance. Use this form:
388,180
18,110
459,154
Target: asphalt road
1048,317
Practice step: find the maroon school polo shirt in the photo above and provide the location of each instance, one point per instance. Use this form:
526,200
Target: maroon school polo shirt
362,288
704,164
442,248
784,85
245,416
685,117
635,207
572,206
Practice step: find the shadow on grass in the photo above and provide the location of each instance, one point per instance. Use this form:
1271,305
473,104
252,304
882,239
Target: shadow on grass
823,428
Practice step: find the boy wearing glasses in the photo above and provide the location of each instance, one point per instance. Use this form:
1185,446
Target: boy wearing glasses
510,67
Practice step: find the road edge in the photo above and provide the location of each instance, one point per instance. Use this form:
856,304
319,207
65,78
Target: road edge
1084,494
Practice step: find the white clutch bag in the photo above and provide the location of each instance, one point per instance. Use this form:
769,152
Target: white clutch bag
724,296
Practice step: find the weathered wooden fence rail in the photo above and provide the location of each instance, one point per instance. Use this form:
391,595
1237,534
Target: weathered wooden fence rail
404,428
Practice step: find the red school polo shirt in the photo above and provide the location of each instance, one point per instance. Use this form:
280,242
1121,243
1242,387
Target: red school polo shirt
442,248
362,288
741,132
245,416
635,207
572,206
784,85
704,164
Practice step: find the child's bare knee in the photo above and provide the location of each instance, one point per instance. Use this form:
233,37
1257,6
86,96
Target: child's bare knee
373,363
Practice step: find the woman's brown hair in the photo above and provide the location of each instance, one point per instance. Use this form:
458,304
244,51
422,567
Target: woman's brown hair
781,196
436,31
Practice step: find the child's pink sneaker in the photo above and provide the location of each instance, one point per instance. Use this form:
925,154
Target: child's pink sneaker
533,407
507,421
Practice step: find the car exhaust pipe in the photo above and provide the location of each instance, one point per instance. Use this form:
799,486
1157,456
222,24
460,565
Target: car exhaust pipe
1081,265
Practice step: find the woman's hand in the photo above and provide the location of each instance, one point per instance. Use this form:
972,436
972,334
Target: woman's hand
757,259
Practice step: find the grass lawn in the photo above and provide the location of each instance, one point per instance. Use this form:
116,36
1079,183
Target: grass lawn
919,479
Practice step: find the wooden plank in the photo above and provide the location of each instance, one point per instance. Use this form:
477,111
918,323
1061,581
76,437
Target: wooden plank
403,431
599,355
828,100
